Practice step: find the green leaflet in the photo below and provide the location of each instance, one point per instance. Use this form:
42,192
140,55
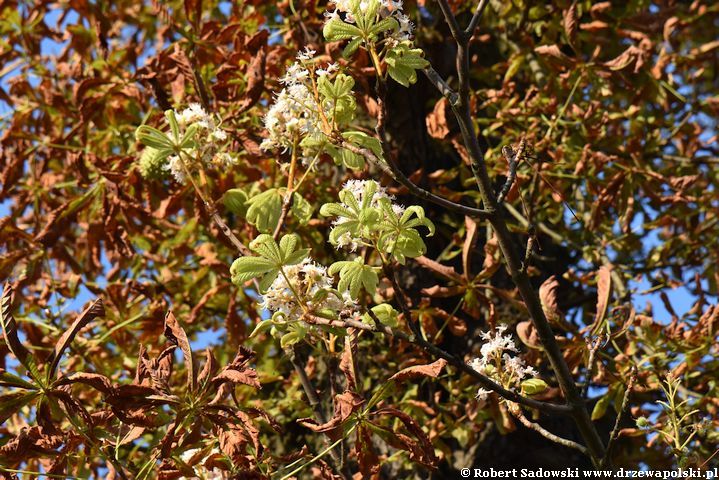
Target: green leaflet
385,313
336,30
272,257
338,94
235,201
301,209
534,386
403,61
398,234
264,210
355,275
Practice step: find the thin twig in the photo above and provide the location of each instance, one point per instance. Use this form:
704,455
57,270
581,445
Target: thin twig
379,327
457,33
512,158
441,85
517,412
460,364
476,17
390,168
593,346
622,410
289,193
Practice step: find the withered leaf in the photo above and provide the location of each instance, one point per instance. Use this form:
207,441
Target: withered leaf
96,309
431,370
604,292
345,404
9,327
177,336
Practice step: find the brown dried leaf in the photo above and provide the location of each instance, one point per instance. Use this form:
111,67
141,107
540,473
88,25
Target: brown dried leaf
437,126
604,292
9,327
421,450
528,334
347,364
431,370
96,309
548,297
95,380
570,22
345,404
177,336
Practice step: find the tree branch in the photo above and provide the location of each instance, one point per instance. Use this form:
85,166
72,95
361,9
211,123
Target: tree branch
391,169
487,382
476,18
595,447
517,412
625,403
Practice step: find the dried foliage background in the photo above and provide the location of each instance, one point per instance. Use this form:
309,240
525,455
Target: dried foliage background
617,102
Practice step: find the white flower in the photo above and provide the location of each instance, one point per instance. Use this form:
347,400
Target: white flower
357,189
482,394
406,27
306,279
306,54
495,361
219,135
192,114
392,5
174,165
331,68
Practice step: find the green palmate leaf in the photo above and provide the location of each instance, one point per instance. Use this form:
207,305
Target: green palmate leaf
534,386
235,201
335,30
355,275
351,47
403,61
383,25
152,137
266,247
398,233
385,313
264,210
338,93
301,209
272,258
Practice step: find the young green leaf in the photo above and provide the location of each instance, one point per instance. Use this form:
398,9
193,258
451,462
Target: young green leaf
355,275
265,210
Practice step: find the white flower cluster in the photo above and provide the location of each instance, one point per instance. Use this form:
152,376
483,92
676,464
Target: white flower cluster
388,8
304,280
496,363
295,112
358,188
209,140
